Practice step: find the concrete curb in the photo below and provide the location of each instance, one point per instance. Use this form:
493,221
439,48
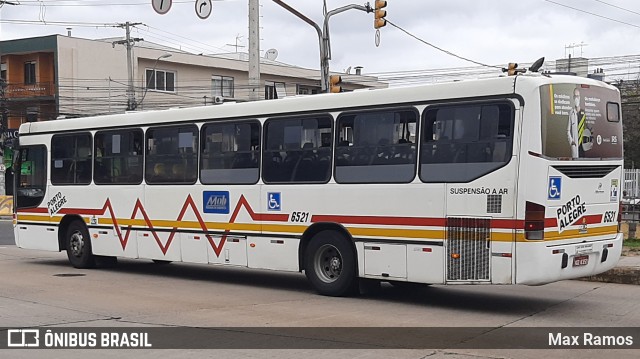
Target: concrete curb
620,275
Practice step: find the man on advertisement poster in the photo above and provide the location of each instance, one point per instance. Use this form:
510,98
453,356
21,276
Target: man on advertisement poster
576,124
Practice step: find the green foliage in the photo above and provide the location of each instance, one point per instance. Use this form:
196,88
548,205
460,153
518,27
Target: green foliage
632,243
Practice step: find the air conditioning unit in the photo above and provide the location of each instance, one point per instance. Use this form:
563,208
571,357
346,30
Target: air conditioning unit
218,100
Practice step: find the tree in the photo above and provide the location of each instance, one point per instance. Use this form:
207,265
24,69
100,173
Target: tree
630,93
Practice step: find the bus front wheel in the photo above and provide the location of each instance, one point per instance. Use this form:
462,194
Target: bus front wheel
79,246
330,264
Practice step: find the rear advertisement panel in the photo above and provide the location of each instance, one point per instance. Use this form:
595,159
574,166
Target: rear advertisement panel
580,121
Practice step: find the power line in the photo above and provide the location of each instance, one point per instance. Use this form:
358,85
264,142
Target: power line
618,7
591,13
58,23
88,3
438,48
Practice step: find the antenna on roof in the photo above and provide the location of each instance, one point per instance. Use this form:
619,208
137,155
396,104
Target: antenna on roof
537,65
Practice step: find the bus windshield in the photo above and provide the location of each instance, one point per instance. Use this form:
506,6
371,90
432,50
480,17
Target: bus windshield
580,121
31,177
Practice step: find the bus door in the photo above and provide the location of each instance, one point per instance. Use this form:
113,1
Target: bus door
480,175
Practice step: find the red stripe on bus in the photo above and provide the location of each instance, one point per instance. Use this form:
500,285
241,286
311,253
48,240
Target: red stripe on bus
376,220
33,210
371,220
410,221
507,223
82,211
550,222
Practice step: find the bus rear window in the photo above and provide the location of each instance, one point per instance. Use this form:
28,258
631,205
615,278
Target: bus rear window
31,176
580,122
613,112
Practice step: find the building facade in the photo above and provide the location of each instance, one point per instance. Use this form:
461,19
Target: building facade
57,76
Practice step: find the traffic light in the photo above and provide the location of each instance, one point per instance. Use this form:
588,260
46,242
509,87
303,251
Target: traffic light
512,69
379,20
334,83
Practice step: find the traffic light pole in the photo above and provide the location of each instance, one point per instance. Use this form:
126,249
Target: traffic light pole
326,40
324,62
323,35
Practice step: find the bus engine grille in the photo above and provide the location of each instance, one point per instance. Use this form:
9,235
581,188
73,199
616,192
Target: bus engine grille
585,171
468,249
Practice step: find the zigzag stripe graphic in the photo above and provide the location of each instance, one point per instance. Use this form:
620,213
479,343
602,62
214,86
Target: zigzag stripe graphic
242,202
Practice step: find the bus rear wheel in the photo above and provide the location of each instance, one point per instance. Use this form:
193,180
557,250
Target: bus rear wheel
78,246
330,264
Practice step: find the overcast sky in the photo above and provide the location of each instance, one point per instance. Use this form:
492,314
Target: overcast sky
489,31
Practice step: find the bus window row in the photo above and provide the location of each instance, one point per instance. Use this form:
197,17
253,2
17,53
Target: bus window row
459,142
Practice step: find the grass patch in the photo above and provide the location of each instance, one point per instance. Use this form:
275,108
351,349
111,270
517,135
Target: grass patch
632,243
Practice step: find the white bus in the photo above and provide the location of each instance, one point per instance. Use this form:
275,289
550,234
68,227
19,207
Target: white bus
509,180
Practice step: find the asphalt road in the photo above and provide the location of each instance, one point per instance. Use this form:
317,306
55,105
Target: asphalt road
6,232
41,289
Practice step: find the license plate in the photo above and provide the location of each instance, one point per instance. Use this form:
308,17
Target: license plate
580,261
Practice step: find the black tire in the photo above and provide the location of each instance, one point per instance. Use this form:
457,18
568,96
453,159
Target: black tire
78,244
330,264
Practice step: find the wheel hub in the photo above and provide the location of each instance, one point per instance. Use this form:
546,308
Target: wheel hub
77,244
328,263
335,264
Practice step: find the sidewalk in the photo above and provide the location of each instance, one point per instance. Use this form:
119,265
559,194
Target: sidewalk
626,272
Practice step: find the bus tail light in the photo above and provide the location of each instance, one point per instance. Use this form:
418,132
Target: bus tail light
620,216
534,221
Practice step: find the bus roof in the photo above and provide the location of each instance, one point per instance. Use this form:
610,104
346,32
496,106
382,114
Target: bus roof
500,86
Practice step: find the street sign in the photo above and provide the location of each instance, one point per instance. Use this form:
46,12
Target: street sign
203,8
161,6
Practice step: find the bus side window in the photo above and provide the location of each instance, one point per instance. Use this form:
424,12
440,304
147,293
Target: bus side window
118,157
169,146
465,141
230,153
376,146
71,159
297,150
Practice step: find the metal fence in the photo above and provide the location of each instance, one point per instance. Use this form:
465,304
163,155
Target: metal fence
631,196
631,186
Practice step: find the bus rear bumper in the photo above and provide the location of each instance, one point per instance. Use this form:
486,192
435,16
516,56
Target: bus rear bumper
542,264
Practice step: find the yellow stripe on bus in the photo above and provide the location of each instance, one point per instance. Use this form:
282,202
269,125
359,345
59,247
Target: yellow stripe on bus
46,218
32,218
551,101
396,233
495,236
575,233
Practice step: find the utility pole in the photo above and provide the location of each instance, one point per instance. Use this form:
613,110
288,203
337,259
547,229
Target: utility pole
129,42
323,34
254,50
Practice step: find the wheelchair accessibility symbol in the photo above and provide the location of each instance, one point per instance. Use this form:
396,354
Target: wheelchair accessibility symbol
273,201
555,187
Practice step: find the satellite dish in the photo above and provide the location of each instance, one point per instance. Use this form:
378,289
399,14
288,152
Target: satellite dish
271,54
348,70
